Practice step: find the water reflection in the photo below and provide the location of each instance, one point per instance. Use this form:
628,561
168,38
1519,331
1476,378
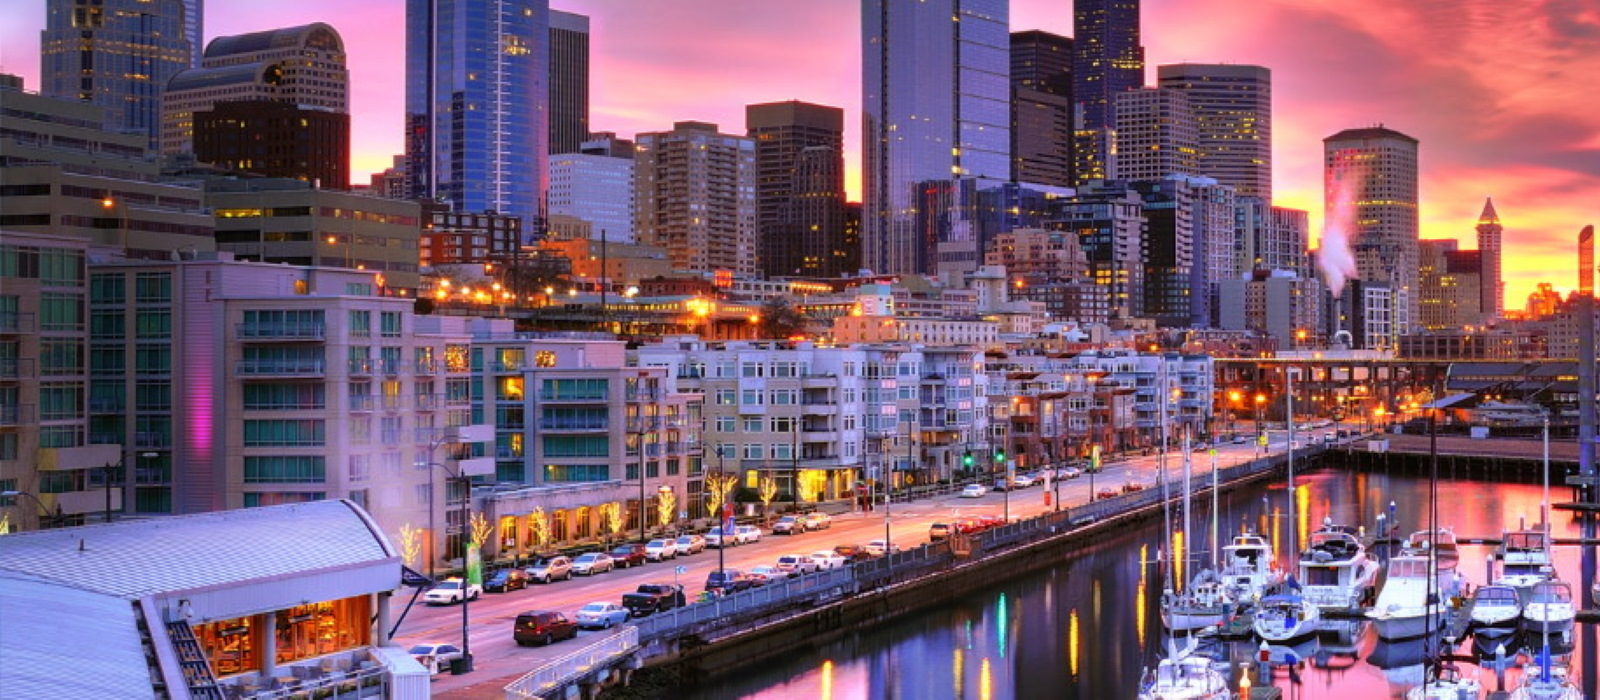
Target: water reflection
1088,628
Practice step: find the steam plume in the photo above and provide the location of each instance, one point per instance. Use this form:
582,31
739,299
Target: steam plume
1335,259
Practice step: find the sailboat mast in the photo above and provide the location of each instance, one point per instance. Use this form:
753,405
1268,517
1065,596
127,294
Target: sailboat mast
1288,376
1544,505
1188,538
1166,494
1216,559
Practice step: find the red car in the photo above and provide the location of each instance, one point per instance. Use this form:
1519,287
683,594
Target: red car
628,555
543,627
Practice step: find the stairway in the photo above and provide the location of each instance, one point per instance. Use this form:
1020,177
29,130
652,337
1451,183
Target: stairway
196,668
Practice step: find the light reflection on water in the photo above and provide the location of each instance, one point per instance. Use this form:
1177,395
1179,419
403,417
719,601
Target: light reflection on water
1079,630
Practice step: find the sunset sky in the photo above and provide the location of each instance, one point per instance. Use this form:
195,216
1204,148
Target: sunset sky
1502,95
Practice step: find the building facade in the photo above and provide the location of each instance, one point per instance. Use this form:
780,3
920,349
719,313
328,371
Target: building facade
1108,59
118,54
275,139
1041,108
1489,246
1232,109
596,188
1371,183
1108,219
800,189
695,196
569,81
1156,135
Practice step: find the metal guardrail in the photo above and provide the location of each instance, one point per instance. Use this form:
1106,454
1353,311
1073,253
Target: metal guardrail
550,676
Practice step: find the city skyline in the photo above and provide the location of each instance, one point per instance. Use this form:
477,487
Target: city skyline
1491,108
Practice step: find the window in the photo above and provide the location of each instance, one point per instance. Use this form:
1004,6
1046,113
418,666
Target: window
284,470
360,468
544,358
557,473
361,324
284,433
752,369
61,267
784,397
752,424
106,324
754,451
60,357
279,498
154,324
60,401
574,390
154,396
783,424
106,289
577,446
726,397
390,324
152,288
752,397
727,424
574,418
60,311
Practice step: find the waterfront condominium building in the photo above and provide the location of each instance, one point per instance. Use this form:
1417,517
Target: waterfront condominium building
1107,59
477,121
301,67
1489,233
800,189
569,81
1156,135
936,96
118,54
1041,108
696,197
1232,108
596,186
1371,182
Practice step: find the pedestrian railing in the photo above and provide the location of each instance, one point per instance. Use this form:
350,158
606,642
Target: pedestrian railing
555,673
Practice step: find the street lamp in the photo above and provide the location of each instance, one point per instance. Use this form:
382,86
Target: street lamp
1233,408
460,476
47,519
1261,401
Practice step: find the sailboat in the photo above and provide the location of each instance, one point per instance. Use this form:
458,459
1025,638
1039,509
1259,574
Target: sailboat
1184,675
1525,554
1203,602
1447,682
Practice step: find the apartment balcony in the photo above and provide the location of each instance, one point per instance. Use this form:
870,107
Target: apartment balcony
391,403
286,332
451,401
83,502
634,396
281,368
818,381
107,405
424,368
14,323
575,426
639,425
14,368
389,368
363,403
360,368
12,416
429,402
547,397
151,440
829,436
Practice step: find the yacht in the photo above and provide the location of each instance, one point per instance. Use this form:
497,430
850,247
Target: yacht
1447,682
1248,571
1501,414
1335,572
1546,682
1549,611
1441,542
1524,559
1411,602
1284,618
1496,612
1184,675
1203,604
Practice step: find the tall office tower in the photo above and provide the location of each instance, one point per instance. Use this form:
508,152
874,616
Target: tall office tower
1156,135
596,186
569,81
118,54
194,29
275,139
1489,231
1109,220
1041,108
800,189
935,108
695,195
1107,59
1451,283
477,121
1370,178
1172,250
303,67
1216,248
1232,107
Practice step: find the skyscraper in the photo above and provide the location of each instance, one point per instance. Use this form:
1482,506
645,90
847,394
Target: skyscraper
1232,106
1489,231
696,197
800,189
1370,179
1107,59
118,54
595,185
1156,135
1041,108
477,121
569,81
935,103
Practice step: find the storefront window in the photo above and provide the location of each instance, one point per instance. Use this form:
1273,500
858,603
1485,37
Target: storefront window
311,630
232,645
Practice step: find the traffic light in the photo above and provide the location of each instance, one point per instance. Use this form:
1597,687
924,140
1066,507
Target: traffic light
999,456
966,459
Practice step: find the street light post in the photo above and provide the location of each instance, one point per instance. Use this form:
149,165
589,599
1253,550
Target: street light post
46,517
465,481
639,445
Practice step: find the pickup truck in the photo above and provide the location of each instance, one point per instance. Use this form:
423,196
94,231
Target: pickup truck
796,563
652,598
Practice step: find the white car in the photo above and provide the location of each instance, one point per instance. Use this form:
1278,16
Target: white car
796,563
592,563
714,538
974,491
601,615
763,575
827,559
1068,473
435,657
452,591
1022,481
746,534
660,550
879,548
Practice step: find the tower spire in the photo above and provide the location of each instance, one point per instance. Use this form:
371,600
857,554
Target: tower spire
1488,216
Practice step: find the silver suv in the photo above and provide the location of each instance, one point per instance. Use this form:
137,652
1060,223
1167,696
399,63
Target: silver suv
549,569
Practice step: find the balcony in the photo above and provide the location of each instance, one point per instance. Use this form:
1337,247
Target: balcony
16,415
16,368
504,367
281,331
12,323
424,368
453,401
281,368
389,367
148,440
360,368
429,402
575,426
391,403
644,396
363,403
639,425
106,405
573,397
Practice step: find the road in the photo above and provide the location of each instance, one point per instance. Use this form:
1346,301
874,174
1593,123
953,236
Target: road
498,660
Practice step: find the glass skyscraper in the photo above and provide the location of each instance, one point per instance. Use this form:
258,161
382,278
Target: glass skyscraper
936,103
1107,57
477,104
118,54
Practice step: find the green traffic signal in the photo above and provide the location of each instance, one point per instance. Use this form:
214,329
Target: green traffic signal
966,459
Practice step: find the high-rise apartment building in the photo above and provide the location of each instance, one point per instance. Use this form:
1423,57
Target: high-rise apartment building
1041,108
936,100
800,189
477,121
1232,109
1107,60
1156,135
696,197
569,81
118,54
596,185
302,67
1051,268
1108,219
1371,182
1489,233
1271,238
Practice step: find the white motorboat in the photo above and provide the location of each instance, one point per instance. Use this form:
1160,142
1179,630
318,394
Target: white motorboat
1248,571
1441,542
1203,604
1546,681
1447,682
1524,559
1549,611
1411,602
1496,611
1285,617
1184,675
1335,572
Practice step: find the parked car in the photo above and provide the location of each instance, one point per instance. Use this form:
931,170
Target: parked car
505,581
629,555
1132,486
1327,438
543,627
592,563
746,534
938,531
660,550
1240,439
435,657
452,590
691,544
796,563
879,548
852,552
653,598
601,615
1022,481
818,521
1105,493
828,559
547,569
974,491
967,525
727,581
1068,473
715,537
788,525
988,521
